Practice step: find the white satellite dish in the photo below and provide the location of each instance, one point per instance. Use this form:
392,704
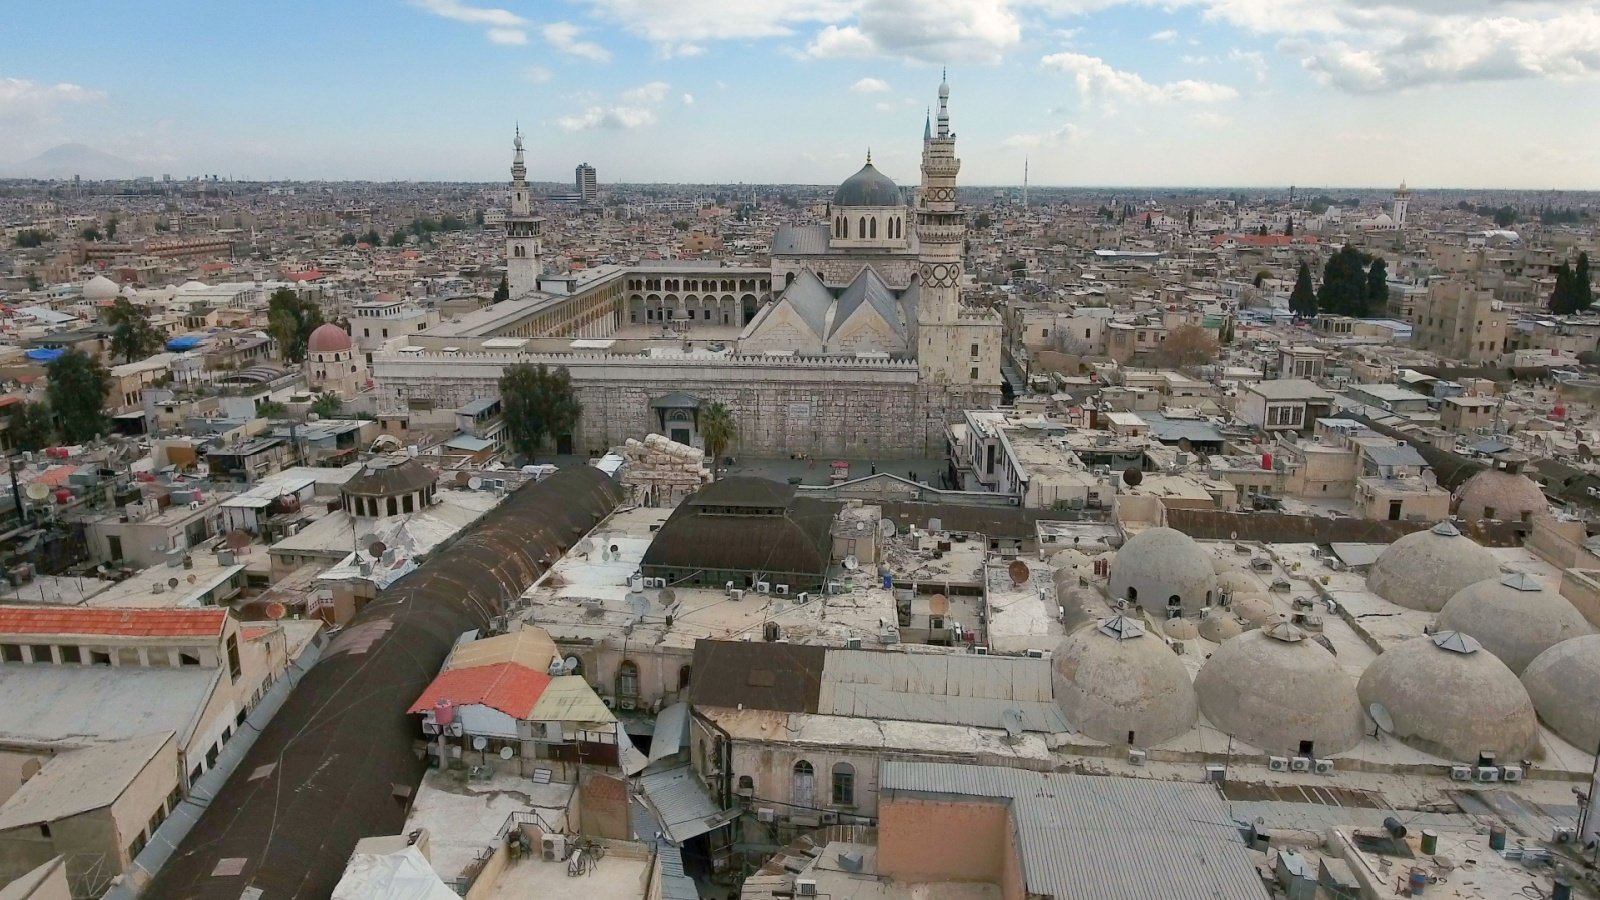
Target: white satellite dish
475,483
37,491
569,665
1012,720
479,742
851,564
886,527
506,753
1380,717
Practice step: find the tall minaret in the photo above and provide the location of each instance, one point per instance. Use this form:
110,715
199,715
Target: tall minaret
941,229
1402,199
523,229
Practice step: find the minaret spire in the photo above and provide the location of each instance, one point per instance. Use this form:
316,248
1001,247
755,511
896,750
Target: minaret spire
523,229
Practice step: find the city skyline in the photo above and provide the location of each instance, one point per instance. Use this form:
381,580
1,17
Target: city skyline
1205,93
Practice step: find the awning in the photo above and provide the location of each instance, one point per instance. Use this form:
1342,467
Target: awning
683,803
676,400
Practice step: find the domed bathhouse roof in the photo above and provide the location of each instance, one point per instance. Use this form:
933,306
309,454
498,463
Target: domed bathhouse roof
100,288
1181,629
1564,684
1514,616
1447,696
868,187
1118,685
1502,492
1280,693
1162,569
328,338
1218,628
1236,582
1221,565
1254,608
1426,568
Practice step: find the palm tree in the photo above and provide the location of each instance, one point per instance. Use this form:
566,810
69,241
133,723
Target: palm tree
717,430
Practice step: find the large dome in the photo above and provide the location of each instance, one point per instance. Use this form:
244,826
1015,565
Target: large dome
1515,617
1499,494
1564,683
1118,685
1425,569
1279,692
328,338
100,288
868,187
1160,564
1447,696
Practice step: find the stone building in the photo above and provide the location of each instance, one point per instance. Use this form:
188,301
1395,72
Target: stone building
331,362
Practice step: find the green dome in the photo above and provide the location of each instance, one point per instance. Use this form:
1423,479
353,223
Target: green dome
868,187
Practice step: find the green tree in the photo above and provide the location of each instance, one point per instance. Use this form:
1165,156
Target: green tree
1262,231
1344,283
1149,223
538,402
680,224
398,239
1288,227
327,405
90,234
347,239
132,335
717,430
290,321
1303,299
1505,217
34,283
111,228
1261,278
77,392
1377,285
1582,285
1563,299
982,222
503,292
33,237
31,426
372,238
271,409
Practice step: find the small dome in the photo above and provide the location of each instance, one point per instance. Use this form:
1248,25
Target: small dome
1514,616
1275,690
1564,684
389,476
100,288
328,338
1236,582
868,187
191,286
1426,568
1181,629
1159,564
1217,629
1449,697
1221,566
1118,685
1254,608
1499,494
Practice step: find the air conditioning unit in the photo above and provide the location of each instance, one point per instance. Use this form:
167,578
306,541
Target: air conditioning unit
610,703
766,814
1300,764
736,594
1488,773
805,887
1564,835
802,597
1136,757
763,587
729,588
1460,773
1036,654
830,818
1278,763
980,650
835,587
553,847
1510,773
627,703
1323,767
782,590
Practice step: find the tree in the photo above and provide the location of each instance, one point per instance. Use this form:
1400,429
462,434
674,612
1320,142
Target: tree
1261,278
1262,230
90,234
1149,223
503,292
33,237
1582,286
1505,217
326,406
1191,218
538,402
1288,227
680,224
132,335
1188,346
982,221
1303,299
1378,285
372,238
347,239
271,409
34,283
77,392
717,430
398,239
111,228
1344,288
290,321
31,426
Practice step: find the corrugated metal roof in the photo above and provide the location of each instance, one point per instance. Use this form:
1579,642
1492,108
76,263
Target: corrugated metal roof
950,689
802,240
758,675
683,803
1102,837
672,731
569,698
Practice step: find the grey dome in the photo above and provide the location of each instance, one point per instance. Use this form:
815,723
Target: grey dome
868,187
1273,689
1181,629
1515,617
100,288
1449,697
1218,628
1112,679
1425,569
1499,494
1161,563
1255,609
1564,684
1236,582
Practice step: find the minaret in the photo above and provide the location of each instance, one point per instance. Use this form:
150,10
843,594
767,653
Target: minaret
1024,182
941,229
1402,199
523,229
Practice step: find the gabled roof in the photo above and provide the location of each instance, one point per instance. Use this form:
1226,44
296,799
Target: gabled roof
81,780
507,687
530,647
810,300
79,620
757,674
867,290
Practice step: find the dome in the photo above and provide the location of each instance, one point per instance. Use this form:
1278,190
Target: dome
1277,691
387,476
1217,629
1426,568
868,187
1447,696
1564,684
328,338
1159,564
100,288
1118,685
191,286
1236,582
1254,608
1221,566
1514,616
1500,494
1181,629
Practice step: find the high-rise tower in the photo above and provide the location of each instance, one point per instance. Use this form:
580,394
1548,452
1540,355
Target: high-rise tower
523,265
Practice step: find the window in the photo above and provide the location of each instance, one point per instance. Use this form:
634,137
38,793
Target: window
974,351
233,656
44,829
844,784
802,789
136,846
628,679
11,652
71,654
974,374
683,678
40,653
1489,512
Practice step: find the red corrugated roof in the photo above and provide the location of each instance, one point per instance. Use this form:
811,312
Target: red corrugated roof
508,687
114,622
251,632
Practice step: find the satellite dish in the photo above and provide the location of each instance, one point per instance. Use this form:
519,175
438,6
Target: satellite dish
935,524
886,527
569,665
1011,719
506,753
172,582
1018,570
238,539
1185,444
475,483
851,564
37,491
479,742
1584,453
1131,476
667,596
462,478
376,548
193,579
1380,717
276,610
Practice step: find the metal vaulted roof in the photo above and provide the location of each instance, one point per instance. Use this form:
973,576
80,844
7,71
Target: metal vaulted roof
683,803
800,240
1102,837
950,689
757,674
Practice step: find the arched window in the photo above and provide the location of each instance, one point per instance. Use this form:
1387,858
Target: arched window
846,232
747,785
844,784
628,679
683,678
874,226
863,231
803,789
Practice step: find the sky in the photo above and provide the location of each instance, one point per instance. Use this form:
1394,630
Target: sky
1314,93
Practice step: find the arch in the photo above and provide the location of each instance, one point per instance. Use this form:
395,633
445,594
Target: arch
863,231
846,227
803,785
844,784
747,784
684,672
748,304
627,678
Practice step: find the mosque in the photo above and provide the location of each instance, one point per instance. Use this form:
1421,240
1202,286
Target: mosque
855,341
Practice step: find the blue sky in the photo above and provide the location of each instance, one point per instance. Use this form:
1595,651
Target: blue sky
1449,93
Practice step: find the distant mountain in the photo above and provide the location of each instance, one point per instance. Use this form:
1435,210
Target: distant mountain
67,160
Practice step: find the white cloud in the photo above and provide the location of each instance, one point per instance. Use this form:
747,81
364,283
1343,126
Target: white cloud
679,51
537,74
654,92
1209,120
610,118
507,36
960,31
1166,37
1098,79
564,37
503,25
870,86
884,107
1253,59
688,99
1064,135
29,102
